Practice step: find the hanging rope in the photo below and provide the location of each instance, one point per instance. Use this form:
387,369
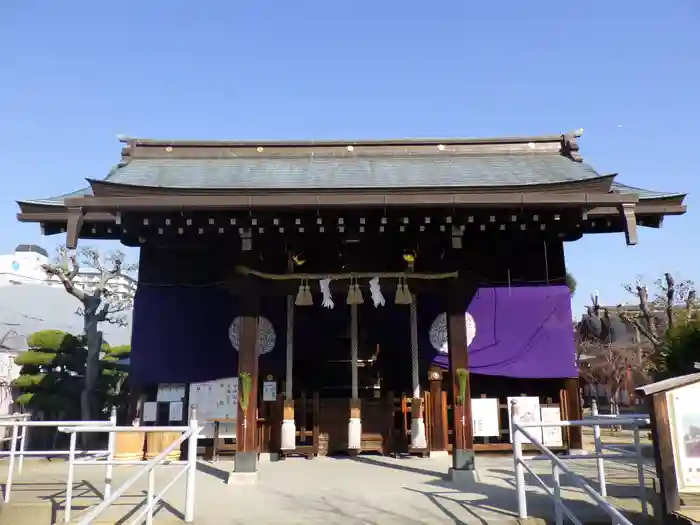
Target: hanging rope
244,270
414,348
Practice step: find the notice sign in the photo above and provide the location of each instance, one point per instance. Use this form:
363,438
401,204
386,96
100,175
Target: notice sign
269,391
528,412
552,436
485,417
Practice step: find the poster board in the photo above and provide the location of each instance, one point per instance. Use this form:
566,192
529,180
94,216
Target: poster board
485,420
685,431
551,436
169,392
216,399
528,412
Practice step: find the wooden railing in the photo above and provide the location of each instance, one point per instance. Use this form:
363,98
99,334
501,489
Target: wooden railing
321,424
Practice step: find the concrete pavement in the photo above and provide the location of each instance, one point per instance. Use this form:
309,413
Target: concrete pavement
365,490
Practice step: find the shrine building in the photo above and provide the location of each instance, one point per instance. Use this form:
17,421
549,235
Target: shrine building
370,296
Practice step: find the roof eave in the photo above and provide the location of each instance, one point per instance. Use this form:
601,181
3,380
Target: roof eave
595,184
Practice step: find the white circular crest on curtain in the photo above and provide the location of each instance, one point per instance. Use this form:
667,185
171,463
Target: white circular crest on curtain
266,334
438,331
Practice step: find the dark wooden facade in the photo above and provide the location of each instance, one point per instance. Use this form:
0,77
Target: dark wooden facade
491,211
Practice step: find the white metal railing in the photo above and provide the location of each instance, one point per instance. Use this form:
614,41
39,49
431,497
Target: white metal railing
20,432
520,432
189,433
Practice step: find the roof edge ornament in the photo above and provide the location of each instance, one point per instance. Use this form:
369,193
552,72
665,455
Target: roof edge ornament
569,145
126,150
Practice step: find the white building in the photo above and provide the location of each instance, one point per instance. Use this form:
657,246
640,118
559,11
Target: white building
24,266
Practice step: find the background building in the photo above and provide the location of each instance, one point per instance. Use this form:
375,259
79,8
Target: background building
31,301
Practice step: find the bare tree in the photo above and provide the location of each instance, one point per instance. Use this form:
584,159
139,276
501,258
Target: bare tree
612,357
101,303
613,366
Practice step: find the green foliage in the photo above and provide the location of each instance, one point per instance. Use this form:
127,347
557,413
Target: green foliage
53,340
680,349
53,370
571,283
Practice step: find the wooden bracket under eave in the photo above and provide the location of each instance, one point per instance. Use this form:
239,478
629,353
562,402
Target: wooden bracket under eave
629,218
74,224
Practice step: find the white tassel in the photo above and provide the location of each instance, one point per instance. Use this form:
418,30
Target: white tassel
325,285
376,292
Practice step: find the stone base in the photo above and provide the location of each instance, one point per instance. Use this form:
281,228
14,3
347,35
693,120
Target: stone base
462,459
267,457
243,478
245,462
463,479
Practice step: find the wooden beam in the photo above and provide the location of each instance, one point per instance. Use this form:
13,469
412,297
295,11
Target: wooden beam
348,199
73,226
629,218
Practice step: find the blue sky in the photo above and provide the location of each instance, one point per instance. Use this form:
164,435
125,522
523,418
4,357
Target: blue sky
74,74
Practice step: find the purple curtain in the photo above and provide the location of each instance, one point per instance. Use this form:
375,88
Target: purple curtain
524,332
181,334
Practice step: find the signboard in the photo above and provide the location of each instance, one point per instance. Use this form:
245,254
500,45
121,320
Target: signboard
150,412
175,411
551,436
216,399
270,391
686,436
485,420
528,412
168,392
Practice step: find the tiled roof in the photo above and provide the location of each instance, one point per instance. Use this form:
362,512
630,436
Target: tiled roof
57,200
330,172
643,194
480,163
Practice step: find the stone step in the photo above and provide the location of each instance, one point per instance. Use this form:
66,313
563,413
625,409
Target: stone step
39,513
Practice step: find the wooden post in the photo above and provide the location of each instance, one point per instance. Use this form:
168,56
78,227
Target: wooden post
664,458
573,410
463,451
246,421
438,426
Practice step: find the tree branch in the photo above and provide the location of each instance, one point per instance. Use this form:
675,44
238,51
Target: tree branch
66,280
632,321
670,293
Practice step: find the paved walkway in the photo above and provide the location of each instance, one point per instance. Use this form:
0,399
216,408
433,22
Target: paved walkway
365,490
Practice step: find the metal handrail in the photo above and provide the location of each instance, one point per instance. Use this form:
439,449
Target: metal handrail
190,433
558,466
19,421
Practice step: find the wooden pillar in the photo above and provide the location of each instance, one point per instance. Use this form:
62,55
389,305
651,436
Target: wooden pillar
246,448
463,450
438,421
573,409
